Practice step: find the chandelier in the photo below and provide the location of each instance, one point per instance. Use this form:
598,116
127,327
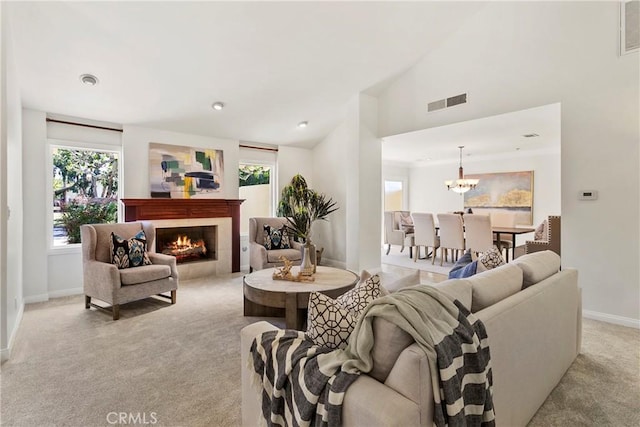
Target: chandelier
461,185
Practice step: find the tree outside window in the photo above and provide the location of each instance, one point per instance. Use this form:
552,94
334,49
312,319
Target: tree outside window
85,191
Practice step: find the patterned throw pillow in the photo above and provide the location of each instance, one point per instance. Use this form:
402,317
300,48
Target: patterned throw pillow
490,259
126,253
359,297
541,231
276,238
406,222
330,322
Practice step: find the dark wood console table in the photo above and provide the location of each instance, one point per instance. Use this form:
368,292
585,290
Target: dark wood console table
150,209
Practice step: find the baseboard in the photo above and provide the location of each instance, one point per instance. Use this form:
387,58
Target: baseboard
66,292
333,263
611,318
5,353
36,298
53,294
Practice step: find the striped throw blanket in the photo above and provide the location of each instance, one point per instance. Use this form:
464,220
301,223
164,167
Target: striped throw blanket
300,380
301,383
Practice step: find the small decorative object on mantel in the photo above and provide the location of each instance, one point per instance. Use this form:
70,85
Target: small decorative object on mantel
284,273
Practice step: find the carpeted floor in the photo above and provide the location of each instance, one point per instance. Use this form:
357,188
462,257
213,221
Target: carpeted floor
179,365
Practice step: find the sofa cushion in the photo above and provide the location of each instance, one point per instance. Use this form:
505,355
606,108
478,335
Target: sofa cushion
330,322
388,342
274,255
457,289
126,253
392,282
537,266
275,237
494,285
145,273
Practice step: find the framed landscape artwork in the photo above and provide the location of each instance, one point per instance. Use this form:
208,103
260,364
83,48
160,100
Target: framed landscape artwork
505,191
179,172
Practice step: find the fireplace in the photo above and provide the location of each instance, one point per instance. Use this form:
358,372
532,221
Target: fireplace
223,213
188,244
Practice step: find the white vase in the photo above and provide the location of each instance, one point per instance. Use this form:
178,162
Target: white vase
307,267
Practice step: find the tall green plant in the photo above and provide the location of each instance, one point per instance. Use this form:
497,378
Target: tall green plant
303,206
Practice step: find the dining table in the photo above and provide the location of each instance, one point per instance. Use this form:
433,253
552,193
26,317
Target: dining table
497,230
513,231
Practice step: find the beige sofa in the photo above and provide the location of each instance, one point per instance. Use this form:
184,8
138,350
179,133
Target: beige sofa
532,314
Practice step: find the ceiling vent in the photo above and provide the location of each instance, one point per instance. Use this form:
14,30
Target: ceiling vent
446,103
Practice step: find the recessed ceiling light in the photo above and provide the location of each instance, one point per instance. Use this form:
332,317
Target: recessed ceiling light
217,106
303,124
530,135
89,79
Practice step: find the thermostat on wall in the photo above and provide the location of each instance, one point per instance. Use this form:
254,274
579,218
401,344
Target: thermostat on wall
588,195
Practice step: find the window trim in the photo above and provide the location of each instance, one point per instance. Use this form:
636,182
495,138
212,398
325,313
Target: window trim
74,145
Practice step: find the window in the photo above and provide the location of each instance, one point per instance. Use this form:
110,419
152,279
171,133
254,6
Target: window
257,190
84,190
393,196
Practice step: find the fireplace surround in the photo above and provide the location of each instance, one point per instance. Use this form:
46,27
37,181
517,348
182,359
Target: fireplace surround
223,214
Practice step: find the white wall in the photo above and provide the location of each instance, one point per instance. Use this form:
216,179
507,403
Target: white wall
135,146
430,194
293,161
329,165
369,179
11,260
518,55
347,168
36,229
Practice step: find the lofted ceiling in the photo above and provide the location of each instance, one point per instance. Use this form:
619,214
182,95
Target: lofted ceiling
273,64
491,137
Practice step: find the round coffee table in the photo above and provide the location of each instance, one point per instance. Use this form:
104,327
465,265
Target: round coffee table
264,296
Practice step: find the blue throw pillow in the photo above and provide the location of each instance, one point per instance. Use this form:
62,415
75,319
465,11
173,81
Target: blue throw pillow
465,262
466,271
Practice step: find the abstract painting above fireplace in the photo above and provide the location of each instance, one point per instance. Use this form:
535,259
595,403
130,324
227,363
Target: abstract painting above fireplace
179,172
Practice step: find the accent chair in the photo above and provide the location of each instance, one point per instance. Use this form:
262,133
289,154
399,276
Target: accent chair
103,280
259,256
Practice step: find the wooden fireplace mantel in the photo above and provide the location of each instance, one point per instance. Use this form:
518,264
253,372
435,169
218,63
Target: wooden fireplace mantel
150,209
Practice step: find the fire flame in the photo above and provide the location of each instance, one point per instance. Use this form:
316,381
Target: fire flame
183,241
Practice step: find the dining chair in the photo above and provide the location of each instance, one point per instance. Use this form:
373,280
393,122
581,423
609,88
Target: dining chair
551,239
425,234
394,235
504,219
451,235
477,232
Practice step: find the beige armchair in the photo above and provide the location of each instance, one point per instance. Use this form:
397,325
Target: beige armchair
394,235
104,281
261,258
